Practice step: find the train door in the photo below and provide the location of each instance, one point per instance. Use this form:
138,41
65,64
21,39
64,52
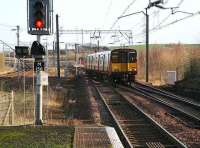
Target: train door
132,62
99,61
124,61
132,57
90,62
87,62
109,64
103,62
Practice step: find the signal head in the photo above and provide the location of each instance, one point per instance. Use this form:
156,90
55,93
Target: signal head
39,23
39,17
39,5
39,14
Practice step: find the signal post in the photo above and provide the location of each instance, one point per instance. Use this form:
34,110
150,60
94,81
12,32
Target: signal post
38,52
39,23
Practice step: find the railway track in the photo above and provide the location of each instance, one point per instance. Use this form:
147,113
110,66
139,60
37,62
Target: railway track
27,68
135,128
180,105
167,94
13,74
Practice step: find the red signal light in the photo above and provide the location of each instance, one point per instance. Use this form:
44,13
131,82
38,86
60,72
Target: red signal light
39,23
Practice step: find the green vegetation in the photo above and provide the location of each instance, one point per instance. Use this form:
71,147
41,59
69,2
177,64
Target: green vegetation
36,137
193,84
5,86
193,70
11,136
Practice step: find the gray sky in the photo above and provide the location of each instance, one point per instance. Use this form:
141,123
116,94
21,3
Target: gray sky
101,14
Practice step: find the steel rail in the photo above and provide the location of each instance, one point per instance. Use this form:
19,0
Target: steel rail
192,113
167,94
148,121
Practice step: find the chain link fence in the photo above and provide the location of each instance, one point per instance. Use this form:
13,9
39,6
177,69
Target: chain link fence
6,108
16,100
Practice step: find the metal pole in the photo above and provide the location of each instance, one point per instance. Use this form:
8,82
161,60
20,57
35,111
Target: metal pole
18,35
47,58
38,38
76,58
12,107
75,54
58,49
98,45
47,70
18,28
38,96
147,46
66,61
82,36
38,100
53,54
34,90
24,93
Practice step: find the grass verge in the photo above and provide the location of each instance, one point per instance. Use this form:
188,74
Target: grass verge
23,137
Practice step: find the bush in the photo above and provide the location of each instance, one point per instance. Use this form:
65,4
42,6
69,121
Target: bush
5,86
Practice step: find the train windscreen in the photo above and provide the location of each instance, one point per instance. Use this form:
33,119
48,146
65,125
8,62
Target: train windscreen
119,57
115,57
123,57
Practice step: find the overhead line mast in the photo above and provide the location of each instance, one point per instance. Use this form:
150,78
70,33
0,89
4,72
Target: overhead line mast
151,4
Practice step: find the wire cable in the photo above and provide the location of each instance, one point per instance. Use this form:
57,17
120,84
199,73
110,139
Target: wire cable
176,21
107,12
6,25
125,10
169,24
157,27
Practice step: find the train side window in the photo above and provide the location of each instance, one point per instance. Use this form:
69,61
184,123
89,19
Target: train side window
103,62
89,62
100,57
108,64
92,61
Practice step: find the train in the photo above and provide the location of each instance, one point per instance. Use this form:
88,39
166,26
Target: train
118,65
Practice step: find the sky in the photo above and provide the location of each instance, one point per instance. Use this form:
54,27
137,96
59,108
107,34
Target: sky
101,14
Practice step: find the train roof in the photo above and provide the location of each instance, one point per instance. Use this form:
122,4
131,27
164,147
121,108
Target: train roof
102,52
124,49
109,51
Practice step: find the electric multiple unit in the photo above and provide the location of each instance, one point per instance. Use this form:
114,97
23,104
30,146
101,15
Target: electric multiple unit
118,64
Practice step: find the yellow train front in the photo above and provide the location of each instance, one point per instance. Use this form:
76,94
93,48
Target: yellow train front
117,65
123,65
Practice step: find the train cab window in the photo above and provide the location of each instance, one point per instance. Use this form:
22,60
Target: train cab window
123,56
132,57
115,57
